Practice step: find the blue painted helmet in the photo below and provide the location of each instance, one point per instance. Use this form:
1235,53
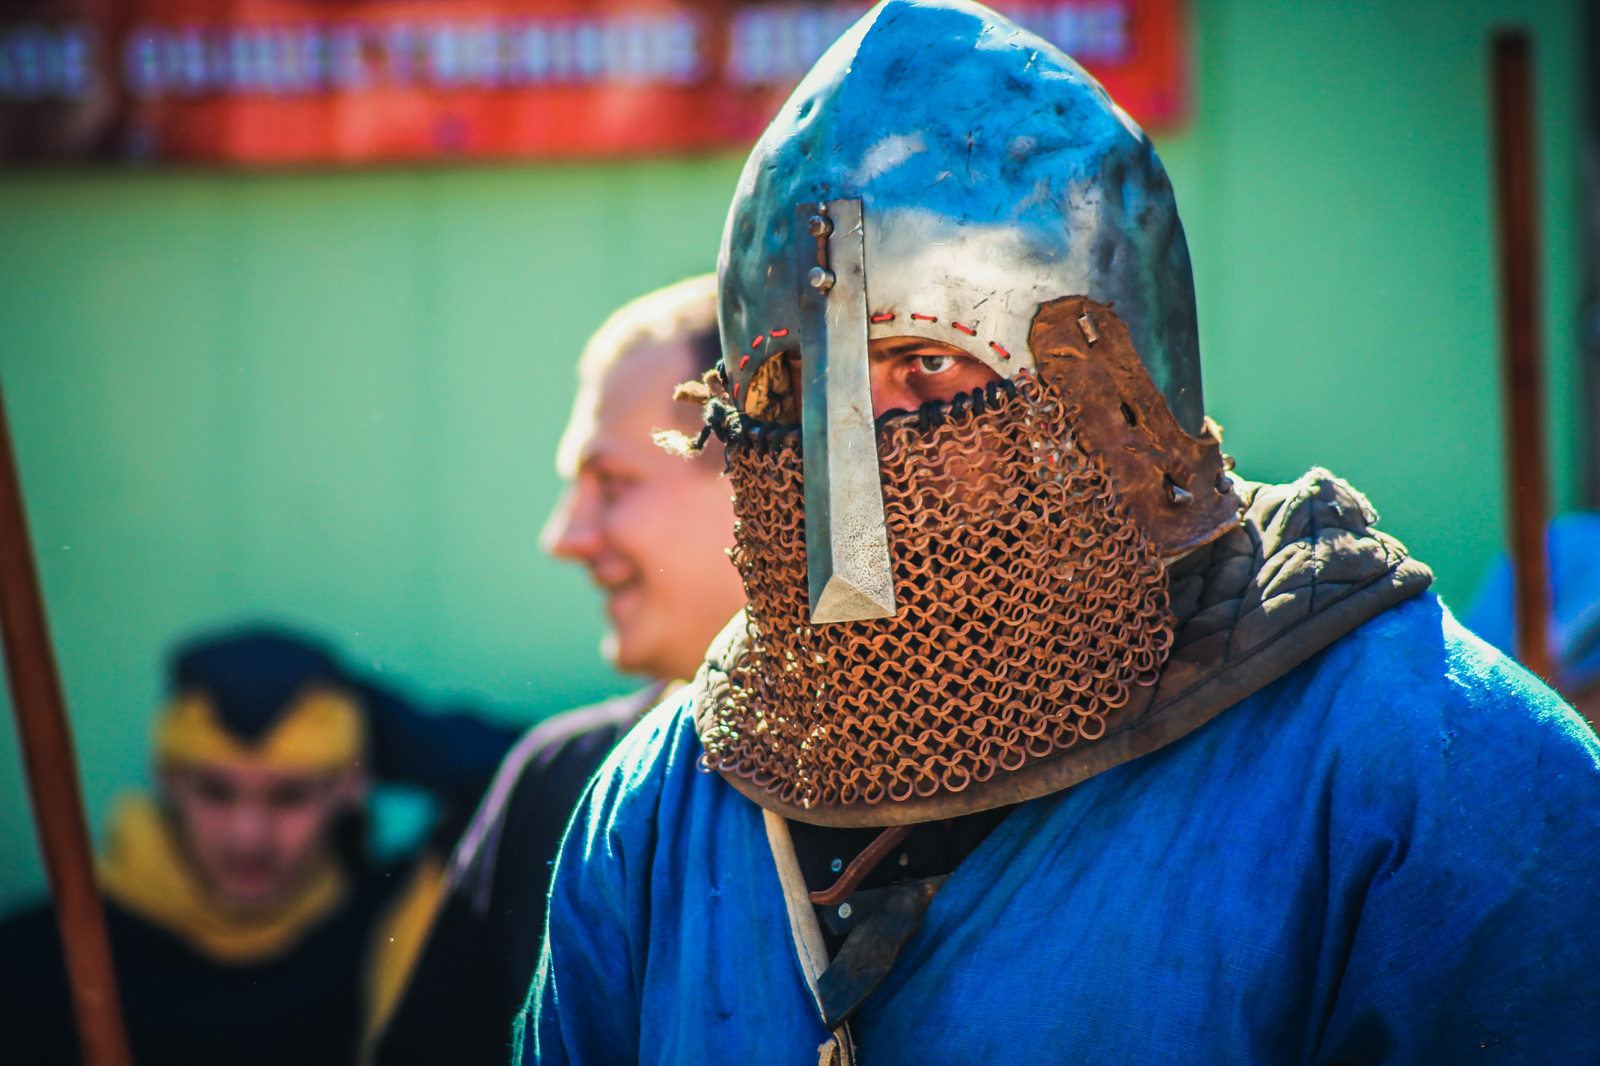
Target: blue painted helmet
940,173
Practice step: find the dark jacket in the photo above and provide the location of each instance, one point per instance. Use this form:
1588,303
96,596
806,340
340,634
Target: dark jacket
304,1007
480,956
183,1008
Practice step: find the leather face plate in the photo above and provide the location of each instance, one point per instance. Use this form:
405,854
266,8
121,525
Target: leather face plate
1174,485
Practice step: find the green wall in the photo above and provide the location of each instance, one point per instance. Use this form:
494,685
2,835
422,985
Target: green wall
333,397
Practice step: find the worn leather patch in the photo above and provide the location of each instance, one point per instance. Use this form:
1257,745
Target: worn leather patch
1174,485
871,948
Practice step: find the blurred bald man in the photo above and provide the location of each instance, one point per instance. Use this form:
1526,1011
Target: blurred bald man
653,529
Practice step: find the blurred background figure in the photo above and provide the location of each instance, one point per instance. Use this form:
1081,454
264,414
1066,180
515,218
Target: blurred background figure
653,529
242,903
1573,543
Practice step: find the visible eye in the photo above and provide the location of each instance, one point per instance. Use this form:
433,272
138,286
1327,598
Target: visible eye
216,790
291,795
935,364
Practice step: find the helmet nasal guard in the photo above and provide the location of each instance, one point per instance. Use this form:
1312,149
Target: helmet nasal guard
944,174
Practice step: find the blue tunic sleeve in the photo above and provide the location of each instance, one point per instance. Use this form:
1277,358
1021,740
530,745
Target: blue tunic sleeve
596,925
1466,857
667,939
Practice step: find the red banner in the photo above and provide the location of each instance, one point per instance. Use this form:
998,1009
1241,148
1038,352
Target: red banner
288,82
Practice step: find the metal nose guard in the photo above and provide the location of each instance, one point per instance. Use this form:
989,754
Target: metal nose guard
849,573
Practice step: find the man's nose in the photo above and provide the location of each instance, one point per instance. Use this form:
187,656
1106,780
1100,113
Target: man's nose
572,531
247,824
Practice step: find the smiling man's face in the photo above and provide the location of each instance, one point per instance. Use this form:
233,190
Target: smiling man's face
653,529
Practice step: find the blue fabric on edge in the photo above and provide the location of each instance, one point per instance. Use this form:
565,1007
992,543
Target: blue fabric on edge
1573,541
1390,855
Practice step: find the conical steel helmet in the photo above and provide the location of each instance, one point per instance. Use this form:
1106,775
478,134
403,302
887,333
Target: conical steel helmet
939,173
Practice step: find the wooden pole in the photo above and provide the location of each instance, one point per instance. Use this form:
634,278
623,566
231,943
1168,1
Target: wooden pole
52,771
1518,223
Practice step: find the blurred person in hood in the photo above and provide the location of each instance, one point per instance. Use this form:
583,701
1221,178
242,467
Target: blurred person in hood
243,907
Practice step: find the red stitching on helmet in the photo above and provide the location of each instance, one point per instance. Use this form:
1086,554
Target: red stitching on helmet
757,342
780,333
964,329
743,361
889,317
1003,353
924,318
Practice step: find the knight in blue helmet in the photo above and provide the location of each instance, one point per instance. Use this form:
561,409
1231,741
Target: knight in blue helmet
1044,737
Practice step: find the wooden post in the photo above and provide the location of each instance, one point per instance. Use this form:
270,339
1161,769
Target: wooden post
1517,214
52,771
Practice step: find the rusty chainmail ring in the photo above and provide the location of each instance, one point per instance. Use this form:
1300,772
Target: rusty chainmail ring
1030,604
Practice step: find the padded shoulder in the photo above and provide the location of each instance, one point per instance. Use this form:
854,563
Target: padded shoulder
1303,568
